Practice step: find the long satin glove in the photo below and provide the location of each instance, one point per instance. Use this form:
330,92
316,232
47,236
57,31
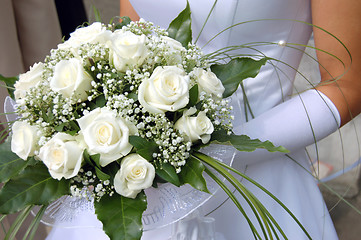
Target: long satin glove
294,124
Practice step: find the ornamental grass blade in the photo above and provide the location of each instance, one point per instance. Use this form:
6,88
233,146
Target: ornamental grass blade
10,163
97,14
257,210
180,28
121,216
33,186
15,226
192,173
33,227
224,168
245,143
264,218
230,194
235,71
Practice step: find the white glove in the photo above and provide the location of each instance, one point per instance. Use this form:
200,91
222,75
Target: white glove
294,124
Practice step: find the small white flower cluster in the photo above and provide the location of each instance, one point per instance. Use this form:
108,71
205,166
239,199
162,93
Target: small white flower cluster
172,147
103,86
89,180
221,110
144,27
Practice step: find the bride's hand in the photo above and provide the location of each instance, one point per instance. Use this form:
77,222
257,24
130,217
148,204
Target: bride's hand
294,124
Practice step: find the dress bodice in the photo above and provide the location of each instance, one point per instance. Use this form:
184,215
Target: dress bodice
272,24
277,28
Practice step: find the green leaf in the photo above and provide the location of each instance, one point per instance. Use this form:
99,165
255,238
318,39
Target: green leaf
121,216
70,127
168,174
133,96
245,143
10,163
157,180
125,21
180,28
192,173
87,158
96,159
193,96
234,72
100,101
144,147
111,169
9,81
33,186
101,175
92,160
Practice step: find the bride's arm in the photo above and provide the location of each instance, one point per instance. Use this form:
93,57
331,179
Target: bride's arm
126,9
307,118
343,20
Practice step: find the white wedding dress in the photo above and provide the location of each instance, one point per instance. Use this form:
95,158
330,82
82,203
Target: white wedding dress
288,178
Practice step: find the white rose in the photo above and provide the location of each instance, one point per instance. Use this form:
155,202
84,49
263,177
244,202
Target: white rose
167,89
28,80
24,139
173,44
71,79
94,33
208,82
174,50
135,174
195,128
63,155
127,49
107,134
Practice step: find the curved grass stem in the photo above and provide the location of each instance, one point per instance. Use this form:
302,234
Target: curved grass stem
14,228
35,224
234,199
217,165
258,209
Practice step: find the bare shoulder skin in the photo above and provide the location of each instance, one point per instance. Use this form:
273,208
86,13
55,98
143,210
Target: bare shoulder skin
126,9
343,20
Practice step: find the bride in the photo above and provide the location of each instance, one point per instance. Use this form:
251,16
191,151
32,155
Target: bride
272,113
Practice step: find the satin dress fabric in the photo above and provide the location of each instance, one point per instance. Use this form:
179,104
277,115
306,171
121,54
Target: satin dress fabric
269,25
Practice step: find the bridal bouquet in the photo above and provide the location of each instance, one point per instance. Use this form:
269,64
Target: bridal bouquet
117,109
